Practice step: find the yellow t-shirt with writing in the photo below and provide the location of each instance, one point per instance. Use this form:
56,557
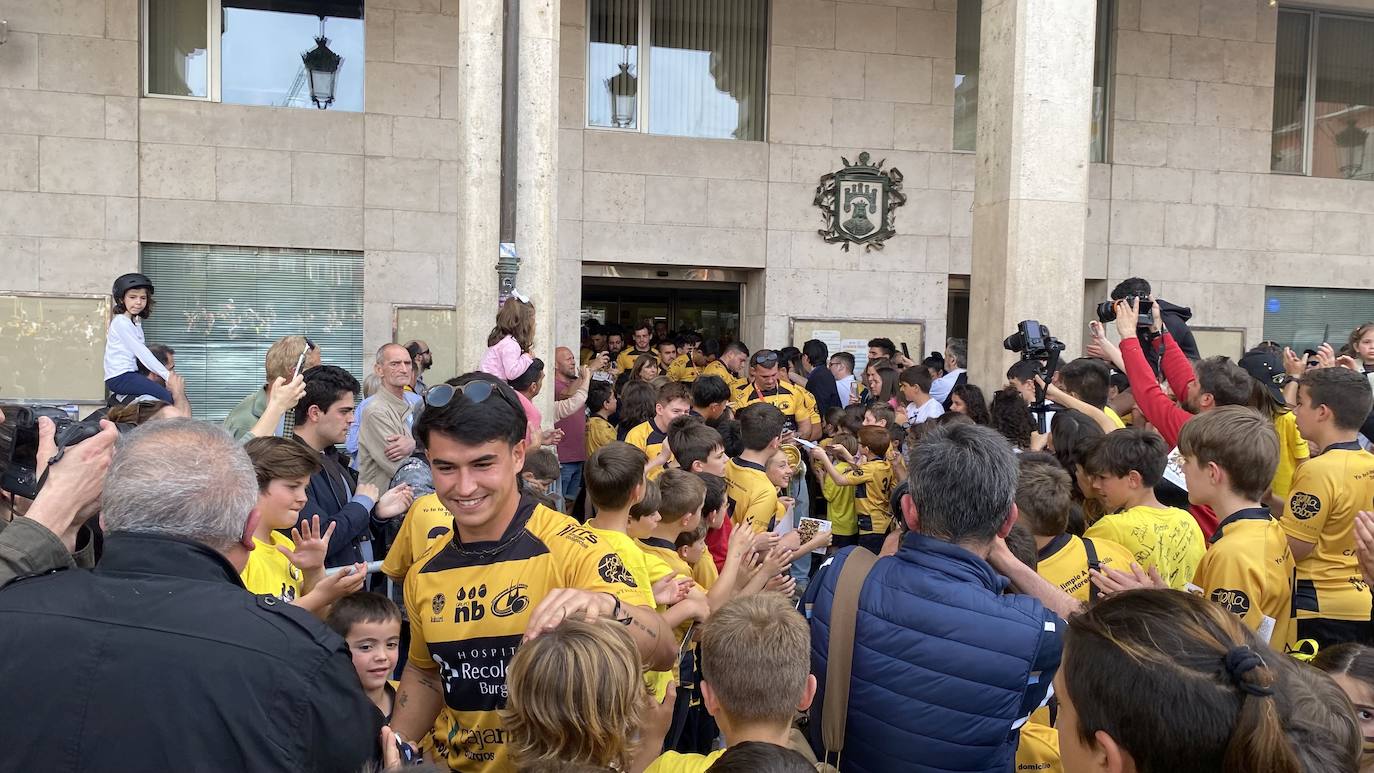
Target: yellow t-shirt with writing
1064,562
1292,450
676,762
647,437
1165,538
1328,490
753,499
1038,751
469,607
796,404
873,482
1249,571
425,522
599,433
269,572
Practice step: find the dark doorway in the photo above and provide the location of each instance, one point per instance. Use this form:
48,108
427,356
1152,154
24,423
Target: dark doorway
712,308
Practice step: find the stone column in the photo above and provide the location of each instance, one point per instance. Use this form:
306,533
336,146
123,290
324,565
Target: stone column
479,176
536,196
1031,185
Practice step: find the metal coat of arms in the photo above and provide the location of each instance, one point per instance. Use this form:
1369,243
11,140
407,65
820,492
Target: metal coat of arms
857,203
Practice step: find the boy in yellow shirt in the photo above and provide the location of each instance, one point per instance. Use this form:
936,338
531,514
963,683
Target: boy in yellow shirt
601,403
753,497
291,570
1331,596
839,500
674,400
755,662
1043,499
1125,467
873,480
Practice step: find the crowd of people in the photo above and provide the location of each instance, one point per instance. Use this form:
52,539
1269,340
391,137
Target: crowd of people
709,558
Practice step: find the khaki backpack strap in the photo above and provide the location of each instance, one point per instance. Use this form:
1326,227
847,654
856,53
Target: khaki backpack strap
844,617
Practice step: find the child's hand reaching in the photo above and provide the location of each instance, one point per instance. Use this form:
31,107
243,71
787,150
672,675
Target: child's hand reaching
311,546
670,589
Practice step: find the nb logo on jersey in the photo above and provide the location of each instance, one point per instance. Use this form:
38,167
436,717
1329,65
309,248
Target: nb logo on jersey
467,605
510,601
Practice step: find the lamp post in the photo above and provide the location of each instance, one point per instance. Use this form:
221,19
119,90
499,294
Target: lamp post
322,65
623,87
1350,145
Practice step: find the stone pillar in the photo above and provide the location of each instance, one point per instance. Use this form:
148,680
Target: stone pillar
536,196
479,176
1031,185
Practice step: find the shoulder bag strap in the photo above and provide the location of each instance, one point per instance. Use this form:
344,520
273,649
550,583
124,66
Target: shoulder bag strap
844,614
1093,563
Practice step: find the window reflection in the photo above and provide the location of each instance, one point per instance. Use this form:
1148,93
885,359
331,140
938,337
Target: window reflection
261,57
178,62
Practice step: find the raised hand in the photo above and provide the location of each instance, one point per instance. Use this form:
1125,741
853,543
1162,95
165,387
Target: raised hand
311,545
394,502
1292,364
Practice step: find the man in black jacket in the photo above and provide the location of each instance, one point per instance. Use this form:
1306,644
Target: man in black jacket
359,514
1175,321
159,659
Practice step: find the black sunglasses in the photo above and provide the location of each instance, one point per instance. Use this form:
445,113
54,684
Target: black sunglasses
421,354
477,391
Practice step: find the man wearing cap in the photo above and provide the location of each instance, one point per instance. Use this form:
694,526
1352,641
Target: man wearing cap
1267,370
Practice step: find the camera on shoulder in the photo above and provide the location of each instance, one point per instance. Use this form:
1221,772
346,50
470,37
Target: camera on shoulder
19,443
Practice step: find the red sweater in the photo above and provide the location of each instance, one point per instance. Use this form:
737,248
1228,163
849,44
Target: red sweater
1162,413
718,542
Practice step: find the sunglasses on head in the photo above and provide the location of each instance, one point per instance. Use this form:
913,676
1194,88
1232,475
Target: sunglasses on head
477,391
765,358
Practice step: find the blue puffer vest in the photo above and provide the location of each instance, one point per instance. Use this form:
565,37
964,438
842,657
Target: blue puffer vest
945,666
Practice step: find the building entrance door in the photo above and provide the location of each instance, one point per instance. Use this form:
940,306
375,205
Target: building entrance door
705,300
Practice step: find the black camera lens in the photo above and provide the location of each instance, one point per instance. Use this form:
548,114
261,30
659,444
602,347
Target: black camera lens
1106,312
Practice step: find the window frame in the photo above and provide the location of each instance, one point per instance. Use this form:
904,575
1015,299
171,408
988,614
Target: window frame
1314,15
643,83
214,14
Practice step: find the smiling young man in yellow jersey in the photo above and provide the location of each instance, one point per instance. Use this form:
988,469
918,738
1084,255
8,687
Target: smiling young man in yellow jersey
1125,467
767,385
641,336
1332,598
674,400
753,497
511,569
713,360
1043,496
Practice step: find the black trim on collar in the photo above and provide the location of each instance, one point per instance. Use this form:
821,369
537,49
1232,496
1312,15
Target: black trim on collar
1349,445
659,542
1246,514
741,461
1054,546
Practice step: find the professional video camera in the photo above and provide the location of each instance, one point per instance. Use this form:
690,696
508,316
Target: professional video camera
1106,310
1033,341
19,443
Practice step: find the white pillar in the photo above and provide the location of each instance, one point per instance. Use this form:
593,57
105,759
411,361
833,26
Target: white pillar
1031,185
536,197
479,176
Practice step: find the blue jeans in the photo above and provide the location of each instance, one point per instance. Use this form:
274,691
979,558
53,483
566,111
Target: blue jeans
133,384
569,480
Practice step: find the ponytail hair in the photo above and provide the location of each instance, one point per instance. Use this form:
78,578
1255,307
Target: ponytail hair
515,319
1223,691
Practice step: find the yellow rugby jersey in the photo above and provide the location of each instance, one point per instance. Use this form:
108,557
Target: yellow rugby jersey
1292,450
1328,490
682,369
1115,417
1166,538
599,433
1250,572
704,572
628,358
717,368
839,507
648,438
426,521
271,573
786,397
637,562
1039,749
1064,562
752,497
469,606
873,483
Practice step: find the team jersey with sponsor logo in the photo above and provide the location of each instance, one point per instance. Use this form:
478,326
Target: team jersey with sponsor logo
1165,538
469,606
682,369
648,438
717,368
270,573
753,499
796,403
426,521
1039,749
646,570
599,433
628,358
1328,490
873,483
1249,571
1292,450
1065,561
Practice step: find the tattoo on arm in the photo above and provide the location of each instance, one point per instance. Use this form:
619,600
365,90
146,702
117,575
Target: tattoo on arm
646,629
430,682
402,699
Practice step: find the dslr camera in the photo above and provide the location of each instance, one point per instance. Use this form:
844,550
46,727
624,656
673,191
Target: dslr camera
1033,341
19,443
1106,310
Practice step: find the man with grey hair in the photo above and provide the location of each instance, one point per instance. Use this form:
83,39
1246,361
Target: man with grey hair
384,438
956,364
159,659
951,663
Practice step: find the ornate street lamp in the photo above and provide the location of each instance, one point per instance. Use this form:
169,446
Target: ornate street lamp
322,65
624,87
1350,144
